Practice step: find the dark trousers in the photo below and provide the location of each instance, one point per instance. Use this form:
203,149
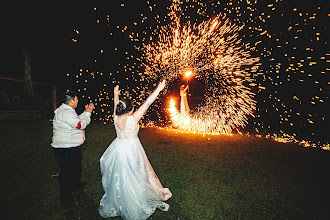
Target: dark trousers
69,160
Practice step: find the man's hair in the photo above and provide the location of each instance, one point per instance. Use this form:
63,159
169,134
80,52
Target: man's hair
68,96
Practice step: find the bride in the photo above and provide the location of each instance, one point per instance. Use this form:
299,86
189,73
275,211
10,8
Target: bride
132,190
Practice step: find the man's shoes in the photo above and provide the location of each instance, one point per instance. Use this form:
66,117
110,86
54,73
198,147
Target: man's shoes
80,185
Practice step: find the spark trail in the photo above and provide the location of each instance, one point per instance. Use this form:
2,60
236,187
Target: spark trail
214,52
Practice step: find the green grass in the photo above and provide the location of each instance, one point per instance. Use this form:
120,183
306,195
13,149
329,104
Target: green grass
224,177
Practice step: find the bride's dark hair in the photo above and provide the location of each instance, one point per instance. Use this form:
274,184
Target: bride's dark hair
124,106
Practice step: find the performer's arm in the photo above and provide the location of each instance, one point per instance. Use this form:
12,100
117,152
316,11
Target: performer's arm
137,115
116,92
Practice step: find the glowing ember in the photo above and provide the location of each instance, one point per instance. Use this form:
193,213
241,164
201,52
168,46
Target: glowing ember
188,73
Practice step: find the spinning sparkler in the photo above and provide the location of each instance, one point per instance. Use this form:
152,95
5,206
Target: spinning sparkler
208,48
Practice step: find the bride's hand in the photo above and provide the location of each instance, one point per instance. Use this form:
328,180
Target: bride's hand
161,85
116,90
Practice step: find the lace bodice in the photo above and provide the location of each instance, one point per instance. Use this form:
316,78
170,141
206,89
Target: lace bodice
131,130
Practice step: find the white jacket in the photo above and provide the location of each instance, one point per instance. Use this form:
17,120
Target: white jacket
67,131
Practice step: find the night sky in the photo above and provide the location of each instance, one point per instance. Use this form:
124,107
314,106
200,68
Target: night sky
68,38
46,28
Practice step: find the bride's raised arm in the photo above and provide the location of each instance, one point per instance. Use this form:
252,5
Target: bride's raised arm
116,92
137,115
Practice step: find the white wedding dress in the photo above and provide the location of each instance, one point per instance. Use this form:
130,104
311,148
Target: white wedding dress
132,189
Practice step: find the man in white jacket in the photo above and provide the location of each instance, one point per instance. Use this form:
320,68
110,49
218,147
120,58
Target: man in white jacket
68,136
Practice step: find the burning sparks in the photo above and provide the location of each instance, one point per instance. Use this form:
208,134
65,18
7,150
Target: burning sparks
264,66
217,56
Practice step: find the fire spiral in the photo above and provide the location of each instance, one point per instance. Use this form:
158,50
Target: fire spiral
213,51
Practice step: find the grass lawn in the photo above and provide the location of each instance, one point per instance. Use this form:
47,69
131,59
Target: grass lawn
210,177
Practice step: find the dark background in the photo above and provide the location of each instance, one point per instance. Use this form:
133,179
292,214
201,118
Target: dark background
47,29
